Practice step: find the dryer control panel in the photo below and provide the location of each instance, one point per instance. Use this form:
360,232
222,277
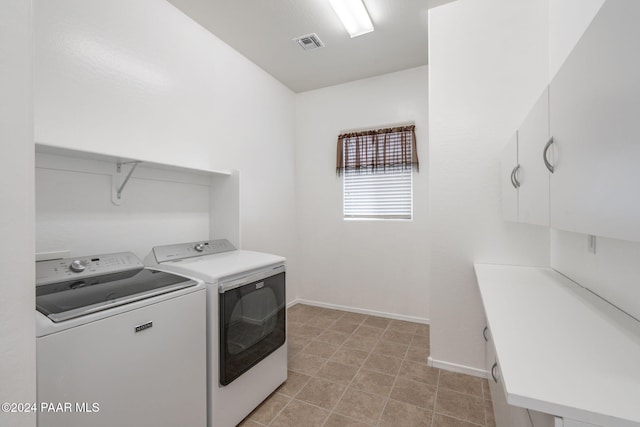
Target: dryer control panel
59,270
191,249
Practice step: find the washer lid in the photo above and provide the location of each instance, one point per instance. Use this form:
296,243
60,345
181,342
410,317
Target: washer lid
74,298
223,266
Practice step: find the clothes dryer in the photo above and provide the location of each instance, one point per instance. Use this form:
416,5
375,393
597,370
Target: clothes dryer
246,322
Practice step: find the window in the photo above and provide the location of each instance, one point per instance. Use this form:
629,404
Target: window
377,171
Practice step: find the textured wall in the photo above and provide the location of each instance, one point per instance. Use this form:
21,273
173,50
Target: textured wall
17,291
372,265
488,64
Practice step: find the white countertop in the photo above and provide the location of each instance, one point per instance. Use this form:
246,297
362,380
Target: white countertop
561,349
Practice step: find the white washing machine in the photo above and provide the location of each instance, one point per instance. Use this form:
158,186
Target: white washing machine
118,344
246,322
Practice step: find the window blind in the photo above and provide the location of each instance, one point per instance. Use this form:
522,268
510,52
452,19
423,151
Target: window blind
385,195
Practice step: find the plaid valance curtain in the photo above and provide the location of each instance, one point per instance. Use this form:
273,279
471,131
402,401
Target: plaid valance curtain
374,151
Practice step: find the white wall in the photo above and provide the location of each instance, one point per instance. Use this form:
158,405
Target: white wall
567,21
488,64
74,211
17,291
613,270
379,266
142,80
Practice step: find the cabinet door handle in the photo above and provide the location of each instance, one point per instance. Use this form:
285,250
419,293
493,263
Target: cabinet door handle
484,333
544,155
514,177
493,372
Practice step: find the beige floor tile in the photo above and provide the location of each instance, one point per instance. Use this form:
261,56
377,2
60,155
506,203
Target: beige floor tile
420,372
268,410
361,406
417,345
319,392
368,331
377,322
295,382
381,363
373,382
297,414
298,316
304,330
423,330
353,317
485,390
461,383
440,420
309,309
390,348
319,348
306,363
402,414
296,323
295,329
337,420
343,326
417,353
295,344
295,308
250,423
329,313
399,337
489,418
360,342
417,357
461,406
403,326
320,322
333,337
414,393
349,356
337,372
419,339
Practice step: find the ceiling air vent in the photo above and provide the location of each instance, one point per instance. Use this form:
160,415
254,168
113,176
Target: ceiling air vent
309,42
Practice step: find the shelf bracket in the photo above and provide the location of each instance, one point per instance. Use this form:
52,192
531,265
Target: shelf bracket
118,184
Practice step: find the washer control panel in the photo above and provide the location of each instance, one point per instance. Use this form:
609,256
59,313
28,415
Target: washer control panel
191,249
59,270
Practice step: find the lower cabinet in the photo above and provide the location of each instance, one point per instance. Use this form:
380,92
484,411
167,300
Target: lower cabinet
567,422
507,415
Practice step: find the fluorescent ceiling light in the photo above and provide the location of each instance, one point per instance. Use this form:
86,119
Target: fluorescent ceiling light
353,15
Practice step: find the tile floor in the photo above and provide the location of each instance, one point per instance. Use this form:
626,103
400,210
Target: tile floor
348,369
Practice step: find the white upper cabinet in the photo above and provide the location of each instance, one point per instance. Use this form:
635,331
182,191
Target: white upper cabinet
508,173
533,175
525,178
595,123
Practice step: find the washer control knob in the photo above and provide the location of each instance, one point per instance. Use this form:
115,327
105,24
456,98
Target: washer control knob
77,266
199,247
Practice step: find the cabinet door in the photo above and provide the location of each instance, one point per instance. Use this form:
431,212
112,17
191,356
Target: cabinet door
508,175
567,422
504,414
533,136
595,123
540,419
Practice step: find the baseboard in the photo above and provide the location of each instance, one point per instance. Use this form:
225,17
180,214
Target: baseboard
360,311
453,367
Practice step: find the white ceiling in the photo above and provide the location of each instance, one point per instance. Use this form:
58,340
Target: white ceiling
263,31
